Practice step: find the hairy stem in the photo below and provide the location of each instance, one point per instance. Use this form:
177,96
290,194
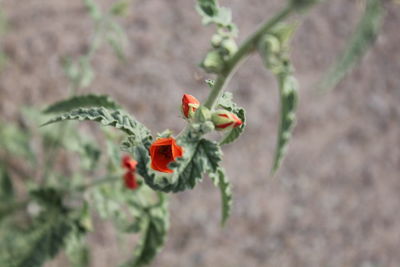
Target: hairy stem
243,52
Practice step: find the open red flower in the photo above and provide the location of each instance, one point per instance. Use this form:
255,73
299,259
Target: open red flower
162,152
130,180
189,105
129,163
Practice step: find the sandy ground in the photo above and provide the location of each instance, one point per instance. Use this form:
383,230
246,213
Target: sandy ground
336,199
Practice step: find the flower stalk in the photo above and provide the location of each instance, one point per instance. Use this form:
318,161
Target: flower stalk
243,52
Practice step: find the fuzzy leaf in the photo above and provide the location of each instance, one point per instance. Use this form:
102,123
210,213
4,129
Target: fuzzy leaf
82,101
211,12
116,119
362,39
226,102
288,99
46,242
219,179
276,59
200,156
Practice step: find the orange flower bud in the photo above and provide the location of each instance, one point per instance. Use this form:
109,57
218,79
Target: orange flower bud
189,105
129,163
130,180
224,119
162,152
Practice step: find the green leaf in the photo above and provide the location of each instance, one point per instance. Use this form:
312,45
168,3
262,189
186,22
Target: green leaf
77,251
93,9
120,8
116,38
115,119
219,179
154,227
274,50
288,99
15,140
82,101
226,102
362,39
44,243
6,186
200,156
211,12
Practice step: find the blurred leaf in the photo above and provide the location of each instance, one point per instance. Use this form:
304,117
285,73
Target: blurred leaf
120,8
116,38
219,179
82,101
93,9
154,226
76,250
16,141
6,186
362,39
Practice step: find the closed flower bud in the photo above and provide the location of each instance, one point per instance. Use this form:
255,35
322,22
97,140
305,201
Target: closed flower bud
224,119
213,62
216,40
230,47
129,163
189,105
130,180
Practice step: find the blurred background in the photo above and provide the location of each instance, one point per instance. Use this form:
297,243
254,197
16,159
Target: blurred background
336,199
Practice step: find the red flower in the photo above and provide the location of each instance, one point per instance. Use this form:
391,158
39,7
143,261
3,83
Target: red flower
162,152
189,105
223,119
129,176
129,163
130,180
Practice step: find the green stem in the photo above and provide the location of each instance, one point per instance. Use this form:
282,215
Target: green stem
97,183
243,52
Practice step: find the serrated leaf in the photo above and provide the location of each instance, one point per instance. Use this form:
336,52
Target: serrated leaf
219,179
362,39
115,119
226,102
82,101
199,157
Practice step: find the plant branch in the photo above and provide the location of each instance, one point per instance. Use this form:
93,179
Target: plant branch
243,52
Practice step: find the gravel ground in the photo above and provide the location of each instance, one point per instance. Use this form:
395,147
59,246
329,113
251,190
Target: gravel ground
334,202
